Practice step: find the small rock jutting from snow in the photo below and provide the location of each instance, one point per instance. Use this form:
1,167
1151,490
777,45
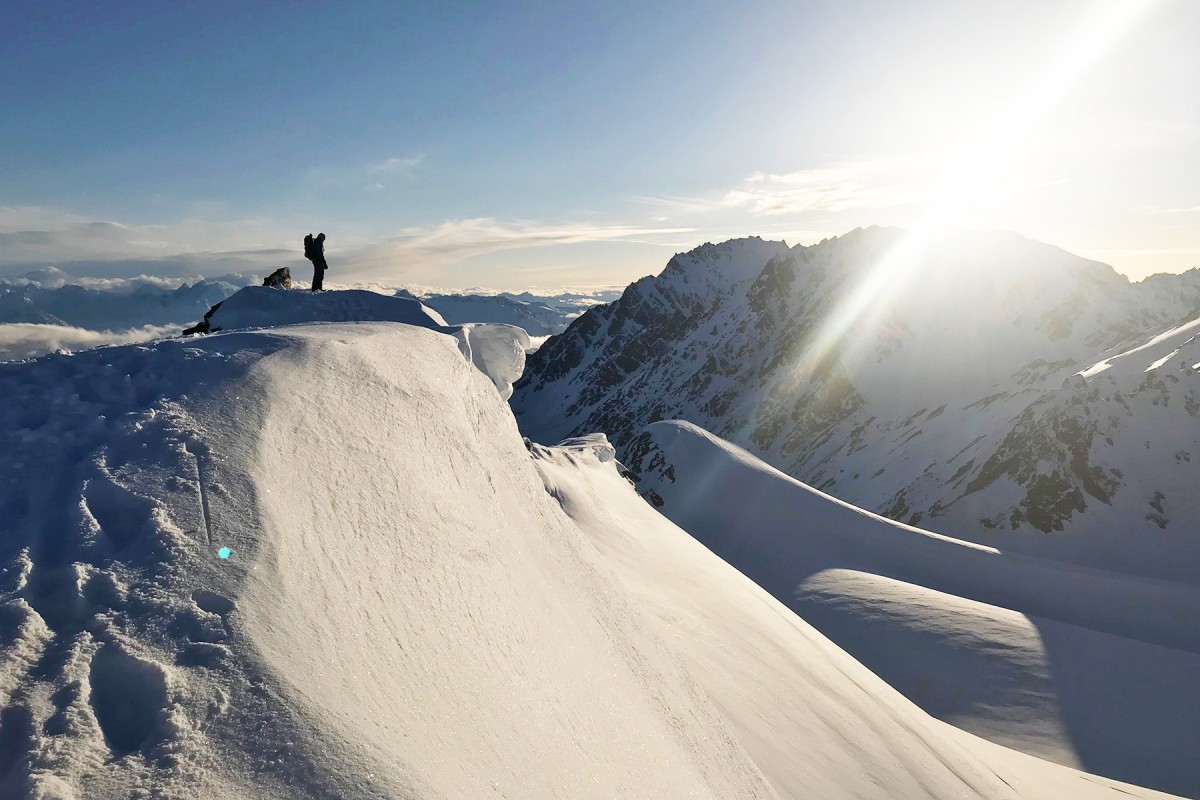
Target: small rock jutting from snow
279,279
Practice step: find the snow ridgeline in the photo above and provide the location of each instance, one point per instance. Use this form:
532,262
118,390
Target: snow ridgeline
318,561
497,349
1090,669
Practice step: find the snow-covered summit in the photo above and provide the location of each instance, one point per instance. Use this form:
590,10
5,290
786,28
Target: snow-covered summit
264,307
498,350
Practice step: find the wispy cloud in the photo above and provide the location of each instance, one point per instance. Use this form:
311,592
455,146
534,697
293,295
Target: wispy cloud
370,176
841,186
456,240
820,190
34,238
392,166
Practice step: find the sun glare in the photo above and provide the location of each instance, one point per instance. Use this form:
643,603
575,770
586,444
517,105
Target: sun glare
976,175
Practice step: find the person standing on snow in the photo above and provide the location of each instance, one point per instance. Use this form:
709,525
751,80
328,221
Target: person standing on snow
314,251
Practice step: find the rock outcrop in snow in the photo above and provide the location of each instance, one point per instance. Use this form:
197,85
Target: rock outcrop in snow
943,391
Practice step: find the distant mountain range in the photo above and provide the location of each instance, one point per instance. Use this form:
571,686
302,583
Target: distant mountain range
51,310
540,315
53,302
988,387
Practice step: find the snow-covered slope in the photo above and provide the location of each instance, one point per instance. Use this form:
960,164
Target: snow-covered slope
403,611
939,390
1090,669
317,560
816,722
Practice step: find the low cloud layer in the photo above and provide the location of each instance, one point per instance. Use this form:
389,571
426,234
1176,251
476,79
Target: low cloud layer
34,239
20,340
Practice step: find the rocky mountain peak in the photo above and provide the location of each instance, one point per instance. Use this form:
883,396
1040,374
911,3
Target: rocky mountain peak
916,385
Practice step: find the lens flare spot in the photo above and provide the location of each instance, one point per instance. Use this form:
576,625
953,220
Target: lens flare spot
224,552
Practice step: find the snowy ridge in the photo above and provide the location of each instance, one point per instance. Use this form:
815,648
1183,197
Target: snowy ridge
404,612
498,350
814,721
942,392
262,307
541,314
1007,647
536,318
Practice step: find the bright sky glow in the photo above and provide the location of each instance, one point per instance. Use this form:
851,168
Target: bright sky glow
518,145
979,176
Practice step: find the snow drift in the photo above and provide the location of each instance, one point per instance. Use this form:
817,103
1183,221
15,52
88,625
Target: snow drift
1091,669
497,349
404,612
262,306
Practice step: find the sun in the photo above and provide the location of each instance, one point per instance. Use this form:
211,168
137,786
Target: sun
973,179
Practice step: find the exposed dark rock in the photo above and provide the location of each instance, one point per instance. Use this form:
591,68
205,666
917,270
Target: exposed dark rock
203,325
280,278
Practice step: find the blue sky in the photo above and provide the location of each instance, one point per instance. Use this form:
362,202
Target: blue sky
548,144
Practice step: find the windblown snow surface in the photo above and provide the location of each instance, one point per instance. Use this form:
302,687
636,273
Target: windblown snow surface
319,561
1087,668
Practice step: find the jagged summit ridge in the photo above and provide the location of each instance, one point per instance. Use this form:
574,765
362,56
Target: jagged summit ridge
894,384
